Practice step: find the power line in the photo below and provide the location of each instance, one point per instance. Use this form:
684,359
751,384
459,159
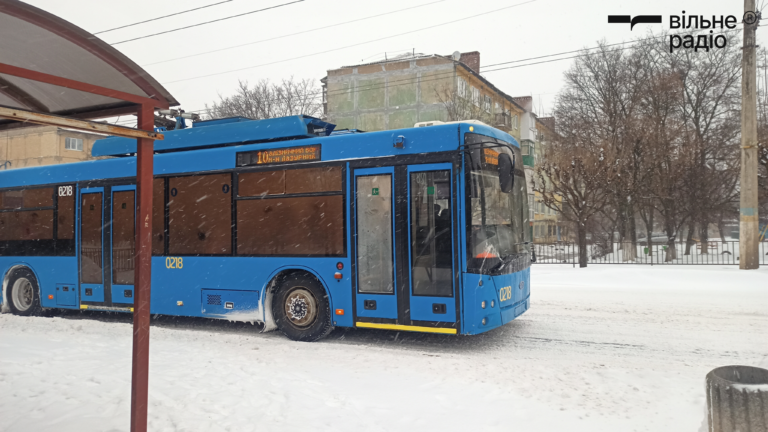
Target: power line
609,45
207,22
293,34
353,45
161,17
441,76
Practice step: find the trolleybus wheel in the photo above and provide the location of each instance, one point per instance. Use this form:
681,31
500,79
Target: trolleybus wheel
301,309
23,293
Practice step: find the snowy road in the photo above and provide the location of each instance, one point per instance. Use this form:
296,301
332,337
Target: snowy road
606,348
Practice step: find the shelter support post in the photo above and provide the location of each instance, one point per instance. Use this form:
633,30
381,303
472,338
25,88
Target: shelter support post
143,272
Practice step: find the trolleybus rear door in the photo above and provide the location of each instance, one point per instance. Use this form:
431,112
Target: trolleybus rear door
91,248
123,236
430,259
375,266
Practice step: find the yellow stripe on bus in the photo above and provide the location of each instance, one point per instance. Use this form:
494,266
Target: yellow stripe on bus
86,307
406,328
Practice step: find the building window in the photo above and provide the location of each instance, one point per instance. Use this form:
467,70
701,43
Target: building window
476,96
73,144
461,87
531,210
487,103
497,108
515,122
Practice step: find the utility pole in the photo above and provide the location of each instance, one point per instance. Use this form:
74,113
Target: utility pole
748,221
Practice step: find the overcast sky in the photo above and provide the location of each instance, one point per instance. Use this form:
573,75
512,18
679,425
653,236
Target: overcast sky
362,31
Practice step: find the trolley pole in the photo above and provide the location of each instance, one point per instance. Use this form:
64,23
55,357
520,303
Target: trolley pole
748,221
142,272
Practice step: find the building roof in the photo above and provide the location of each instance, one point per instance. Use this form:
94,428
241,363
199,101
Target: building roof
395,59
489,84
35,40
419,56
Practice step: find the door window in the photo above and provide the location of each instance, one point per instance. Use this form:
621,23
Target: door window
90,238
431,259
374,234
123,237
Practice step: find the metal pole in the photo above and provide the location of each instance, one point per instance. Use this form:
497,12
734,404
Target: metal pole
748,222
143,273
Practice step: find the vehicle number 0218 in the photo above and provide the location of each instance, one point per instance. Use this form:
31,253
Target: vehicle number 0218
65,191
505,294
174,262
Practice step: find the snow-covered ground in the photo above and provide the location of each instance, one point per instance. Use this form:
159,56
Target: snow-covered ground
607,348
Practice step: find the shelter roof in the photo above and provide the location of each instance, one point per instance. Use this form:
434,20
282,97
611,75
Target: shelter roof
36,40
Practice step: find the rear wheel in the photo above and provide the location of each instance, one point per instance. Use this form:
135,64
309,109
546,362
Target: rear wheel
23,293
301,309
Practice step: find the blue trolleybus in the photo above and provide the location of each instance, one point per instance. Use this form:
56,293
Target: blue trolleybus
285,222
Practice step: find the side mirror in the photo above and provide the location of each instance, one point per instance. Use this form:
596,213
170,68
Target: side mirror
506,172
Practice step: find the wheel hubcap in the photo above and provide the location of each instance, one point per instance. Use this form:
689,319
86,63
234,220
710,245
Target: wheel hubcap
23,294
300,307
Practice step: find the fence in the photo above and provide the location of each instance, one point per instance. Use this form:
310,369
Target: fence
657,254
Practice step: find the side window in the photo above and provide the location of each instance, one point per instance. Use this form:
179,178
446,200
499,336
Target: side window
38,221
26,214
261,183
297,212
66,213
200,215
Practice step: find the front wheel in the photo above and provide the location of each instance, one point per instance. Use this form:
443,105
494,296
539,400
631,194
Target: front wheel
23,293
301,309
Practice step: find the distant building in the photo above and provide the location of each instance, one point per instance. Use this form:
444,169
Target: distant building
403,91
535,133
45,145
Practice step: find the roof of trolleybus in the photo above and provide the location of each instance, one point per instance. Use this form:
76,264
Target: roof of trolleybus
215,147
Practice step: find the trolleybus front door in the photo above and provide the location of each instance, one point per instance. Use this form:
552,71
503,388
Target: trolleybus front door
430,259
404,248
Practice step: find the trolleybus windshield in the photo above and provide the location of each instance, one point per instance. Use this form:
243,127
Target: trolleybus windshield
497,233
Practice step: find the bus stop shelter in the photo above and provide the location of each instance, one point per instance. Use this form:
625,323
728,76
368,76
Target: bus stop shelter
55,73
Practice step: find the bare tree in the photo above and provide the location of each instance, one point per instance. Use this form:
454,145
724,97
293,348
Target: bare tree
575,181
266,100
709,110
669,123
461,106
